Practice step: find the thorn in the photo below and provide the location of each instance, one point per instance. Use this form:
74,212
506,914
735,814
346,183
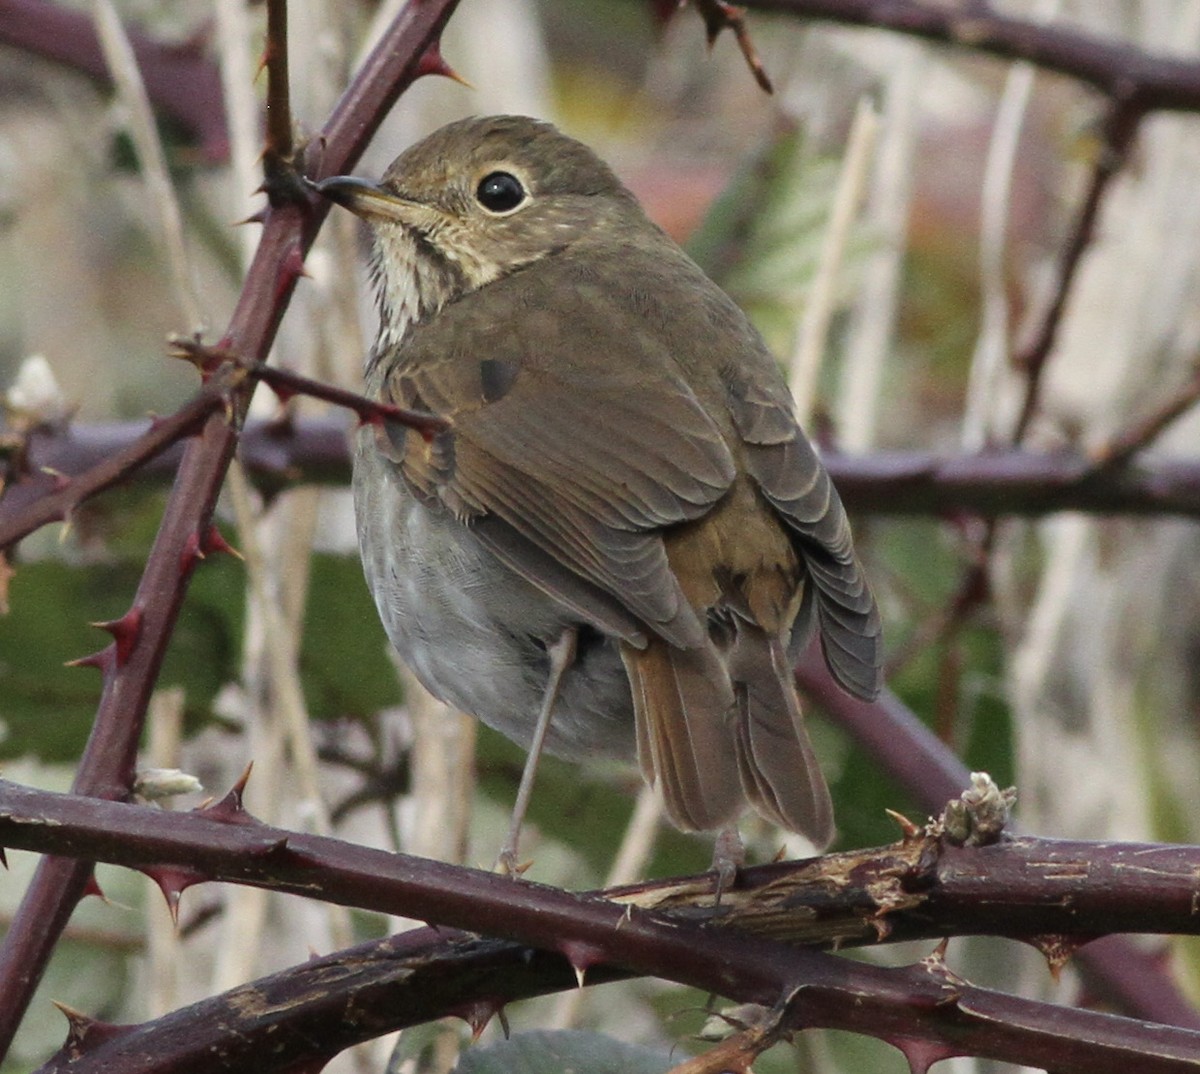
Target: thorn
433,63
259,216
479,1013
231,809
192,349
582,956
935,961
283,392
191,554
291,268
125,632
104,660
1058,950
514,869
272,850
61,480
922,1054
215,542
173,881
264,58
882,926
85,1033
92,887
908,830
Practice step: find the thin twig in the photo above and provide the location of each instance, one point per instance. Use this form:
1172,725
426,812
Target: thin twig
279,180
719,15
1119,70
57,494
106,767
285,383
1122,447
1119,129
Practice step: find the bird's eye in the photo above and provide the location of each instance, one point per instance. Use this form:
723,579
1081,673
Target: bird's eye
500,192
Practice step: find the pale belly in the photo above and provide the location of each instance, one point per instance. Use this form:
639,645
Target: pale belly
474,632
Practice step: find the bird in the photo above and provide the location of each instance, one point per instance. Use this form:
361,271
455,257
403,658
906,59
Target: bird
622,538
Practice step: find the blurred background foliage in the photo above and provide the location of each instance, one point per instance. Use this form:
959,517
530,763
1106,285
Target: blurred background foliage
1073,675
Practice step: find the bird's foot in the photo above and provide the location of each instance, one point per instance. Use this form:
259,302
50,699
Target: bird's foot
729,855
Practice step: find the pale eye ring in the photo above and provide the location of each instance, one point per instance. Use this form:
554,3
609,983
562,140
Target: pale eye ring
500,192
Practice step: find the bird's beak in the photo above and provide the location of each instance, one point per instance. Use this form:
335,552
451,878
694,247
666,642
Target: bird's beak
366,199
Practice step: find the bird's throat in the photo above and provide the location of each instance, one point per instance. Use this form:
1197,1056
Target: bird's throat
412,280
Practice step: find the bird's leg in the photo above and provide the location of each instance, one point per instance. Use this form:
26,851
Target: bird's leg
729,855
562,656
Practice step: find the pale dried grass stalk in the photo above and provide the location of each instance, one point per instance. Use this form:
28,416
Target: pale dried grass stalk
813,338
234,27
989,362
873,318
122,65
163,962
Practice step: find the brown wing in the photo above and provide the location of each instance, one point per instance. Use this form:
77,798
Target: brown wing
574,439
786,468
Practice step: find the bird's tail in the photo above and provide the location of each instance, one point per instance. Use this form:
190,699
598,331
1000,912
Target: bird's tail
779,770
683,704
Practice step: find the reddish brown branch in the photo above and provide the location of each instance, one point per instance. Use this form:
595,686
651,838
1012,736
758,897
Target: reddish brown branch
1143,432
46,496
180,80
1042,883
995,483
911,754
106,768
333,1002
1142,80
280,179
279,145
286,384
921,888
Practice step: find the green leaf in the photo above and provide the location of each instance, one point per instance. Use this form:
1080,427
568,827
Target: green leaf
761,239
344,659
46,708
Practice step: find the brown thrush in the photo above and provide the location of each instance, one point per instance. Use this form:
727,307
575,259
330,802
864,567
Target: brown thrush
624,537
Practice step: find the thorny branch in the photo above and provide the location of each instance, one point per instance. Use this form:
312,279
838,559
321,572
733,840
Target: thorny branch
183,83
923,886
130,665
1139,79
289,451
1118,131
926,768
1135,83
